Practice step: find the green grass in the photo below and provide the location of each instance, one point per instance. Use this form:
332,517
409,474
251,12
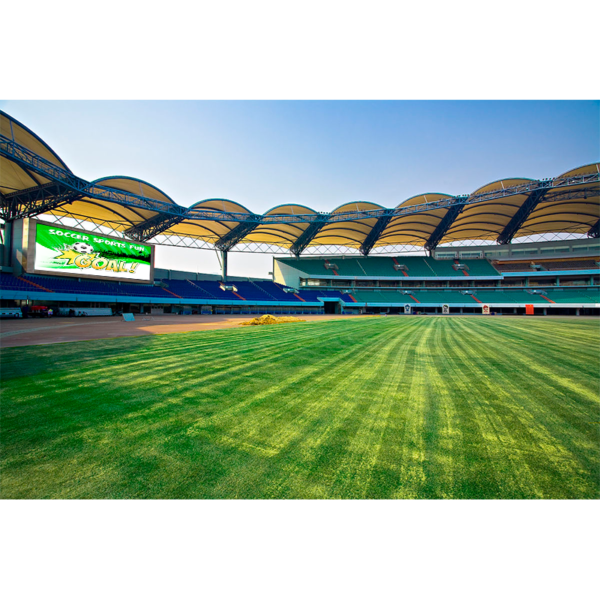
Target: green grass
362,408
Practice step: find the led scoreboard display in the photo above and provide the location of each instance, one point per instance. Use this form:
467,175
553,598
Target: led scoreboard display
76,253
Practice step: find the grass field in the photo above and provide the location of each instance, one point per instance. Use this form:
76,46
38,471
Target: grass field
384,407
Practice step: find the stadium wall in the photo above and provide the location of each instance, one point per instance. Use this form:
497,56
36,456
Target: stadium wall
19,244
371,280
522,251
285,274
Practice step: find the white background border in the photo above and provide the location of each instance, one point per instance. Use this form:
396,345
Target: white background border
298,549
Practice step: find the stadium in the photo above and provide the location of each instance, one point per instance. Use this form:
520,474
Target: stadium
445,380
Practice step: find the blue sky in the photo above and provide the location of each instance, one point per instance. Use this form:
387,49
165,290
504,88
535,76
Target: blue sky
321,153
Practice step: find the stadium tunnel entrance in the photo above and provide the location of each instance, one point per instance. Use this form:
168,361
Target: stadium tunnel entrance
333,306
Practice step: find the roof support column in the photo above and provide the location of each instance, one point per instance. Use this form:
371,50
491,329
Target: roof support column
7,244
523,213
236,235
152,227
224,265
374,235
444,225
307,236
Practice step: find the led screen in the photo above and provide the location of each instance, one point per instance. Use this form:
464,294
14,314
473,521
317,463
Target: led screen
64,251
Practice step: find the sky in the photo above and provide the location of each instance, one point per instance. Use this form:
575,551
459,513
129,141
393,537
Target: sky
318,153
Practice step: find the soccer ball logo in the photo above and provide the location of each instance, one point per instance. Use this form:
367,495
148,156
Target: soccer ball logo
82,248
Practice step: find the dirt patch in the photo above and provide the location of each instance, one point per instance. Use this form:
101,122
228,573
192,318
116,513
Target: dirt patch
32,332
271,320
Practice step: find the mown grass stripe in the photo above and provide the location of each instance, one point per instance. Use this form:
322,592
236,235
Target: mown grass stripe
550,439
319,404
364,408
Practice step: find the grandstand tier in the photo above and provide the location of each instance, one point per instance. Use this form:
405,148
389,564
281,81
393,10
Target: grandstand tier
463,279
547,265
346,267
254,295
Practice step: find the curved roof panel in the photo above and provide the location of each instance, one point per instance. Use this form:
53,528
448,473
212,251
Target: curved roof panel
100,211
280,234
559,212
486,220
347,233
354,206
501,184
14,177
134,186
584,170
414,229
208,230
220,205
13,129
571,204
291,209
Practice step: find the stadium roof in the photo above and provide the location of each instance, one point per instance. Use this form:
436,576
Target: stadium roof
34,180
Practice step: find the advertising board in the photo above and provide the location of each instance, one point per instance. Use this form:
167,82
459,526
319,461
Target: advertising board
58,250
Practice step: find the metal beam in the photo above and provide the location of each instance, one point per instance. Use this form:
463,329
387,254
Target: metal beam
561,195
523,213
594,232
36,164
374,235
235,235
27,159
35,201
152,227
307,236
537,197
442,227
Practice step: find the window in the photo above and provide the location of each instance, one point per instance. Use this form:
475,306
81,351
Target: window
555,250
446,255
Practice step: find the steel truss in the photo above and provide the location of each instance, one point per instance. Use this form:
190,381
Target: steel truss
65,187
236,235
107,228
306,237
80,222
152,227
29,160
521,215
35,201
443,226
374,235
522,239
